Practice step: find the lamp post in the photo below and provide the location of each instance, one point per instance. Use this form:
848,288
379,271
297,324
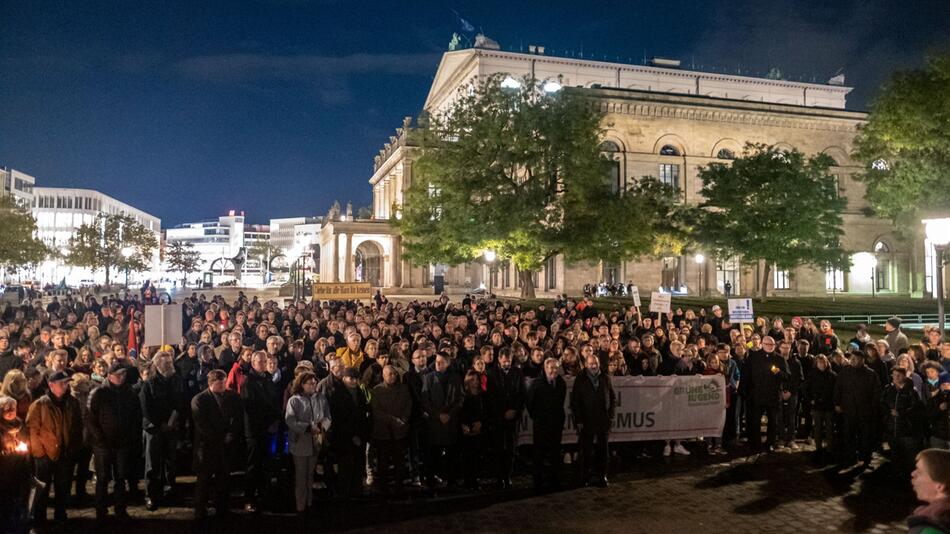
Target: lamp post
127,253
938,233
700,262
490,257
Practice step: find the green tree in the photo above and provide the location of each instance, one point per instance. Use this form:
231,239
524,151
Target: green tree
520,171
774,207
18,244
100,245
182,257
906,146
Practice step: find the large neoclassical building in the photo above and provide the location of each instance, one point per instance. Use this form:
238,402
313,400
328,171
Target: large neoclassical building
663,121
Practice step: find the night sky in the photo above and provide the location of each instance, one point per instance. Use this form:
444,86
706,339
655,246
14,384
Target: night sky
277,107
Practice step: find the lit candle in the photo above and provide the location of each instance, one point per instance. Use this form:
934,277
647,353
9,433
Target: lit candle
21,447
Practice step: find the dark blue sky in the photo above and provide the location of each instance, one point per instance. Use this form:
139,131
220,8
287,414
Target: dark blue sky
276,107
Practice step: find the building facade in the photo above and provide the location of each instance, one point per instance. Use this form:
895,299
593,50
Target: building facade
660,121
60,211
17,184
219,242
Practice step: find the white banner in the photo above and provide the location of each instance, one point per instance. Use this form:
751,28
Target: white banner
655,408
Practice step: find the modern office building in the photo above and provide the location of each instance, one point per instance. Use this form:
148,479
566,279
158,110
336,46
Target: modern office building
60,211
221,241
18,184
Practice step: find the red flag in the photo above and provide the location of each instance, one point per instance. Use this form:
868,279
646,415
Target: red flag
133,348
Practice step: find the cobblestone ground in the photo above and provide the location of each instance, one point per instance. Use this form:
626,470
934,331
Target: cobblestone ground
780,492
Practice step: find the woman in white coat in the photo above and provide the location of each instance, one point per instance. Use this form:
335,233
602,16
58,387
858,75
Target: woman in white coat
308,419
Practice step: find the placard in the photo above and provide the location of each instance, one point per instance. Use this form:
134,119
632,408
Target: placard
635,293
740,311
162,324
343,291
660,302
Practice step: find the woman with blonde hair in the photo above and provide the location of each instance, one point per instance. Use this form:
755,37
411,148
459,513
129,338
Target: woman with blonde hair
15,385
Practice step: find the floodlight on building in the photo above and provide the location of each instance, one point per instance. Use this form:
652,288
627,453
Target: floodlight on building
510,83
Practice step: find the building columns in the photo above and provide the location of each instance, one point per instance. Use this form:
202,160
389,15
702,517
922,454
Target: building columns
396,261
336,257
348,275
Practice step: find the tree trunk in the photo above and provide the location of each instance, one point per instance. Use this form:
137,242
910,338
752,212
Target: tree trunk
764,285
107,276
527,284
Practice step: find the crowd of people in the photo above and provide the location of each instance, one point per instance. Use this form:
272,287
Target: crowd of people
382,397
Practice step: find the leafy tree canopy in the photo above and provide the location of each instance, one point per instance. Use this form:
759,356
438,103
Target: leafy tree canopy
521,171
100,244
18,244
906,146
182,257
772,205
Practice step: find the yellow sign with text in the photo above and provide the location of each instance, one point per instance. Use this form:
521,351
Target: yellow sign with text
343,291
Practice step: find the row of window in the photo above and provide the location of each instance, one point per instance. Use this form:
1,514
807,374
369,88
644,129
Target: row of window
59,202
669,174
666,150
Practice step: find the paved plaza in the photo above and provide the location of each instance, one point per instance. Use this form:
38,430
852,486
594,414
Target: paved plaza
780,492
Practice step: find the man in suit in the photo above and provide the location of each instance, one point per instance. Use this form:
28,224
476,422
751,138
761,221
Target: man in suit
545,403
219,424
505,403
761,387
593,402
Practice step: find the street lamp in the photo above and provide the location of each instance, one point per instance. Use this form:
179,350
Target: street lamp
127,253
700,261
938,233
490,257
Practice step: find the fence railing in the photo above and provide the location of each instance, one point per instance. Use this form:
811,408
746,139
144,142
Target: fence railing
880,319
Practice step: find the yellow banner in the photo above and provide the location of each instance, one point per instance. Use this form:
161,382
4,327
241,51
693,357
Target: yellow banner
343,291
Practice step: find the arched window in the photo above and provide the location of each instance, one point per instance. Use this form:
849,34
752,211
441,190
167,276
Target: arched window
880,165
669,150
612,151
725,153
881,247
609,146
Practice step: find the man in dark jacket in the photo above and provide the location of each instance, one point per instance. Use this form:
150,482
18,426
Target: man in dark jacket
261,416
760,386
349,410
114,416
505,403
391,406
232,353
545,403
442,397
219,425
163,404
593,402
8,359
417,447
903,420
791,389
857,399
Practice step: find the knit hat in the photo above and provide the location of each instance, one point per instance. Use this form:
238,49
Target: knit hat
894,321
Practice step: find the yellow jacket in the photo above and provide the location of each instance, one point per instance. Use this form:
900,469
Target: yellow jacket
350,358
